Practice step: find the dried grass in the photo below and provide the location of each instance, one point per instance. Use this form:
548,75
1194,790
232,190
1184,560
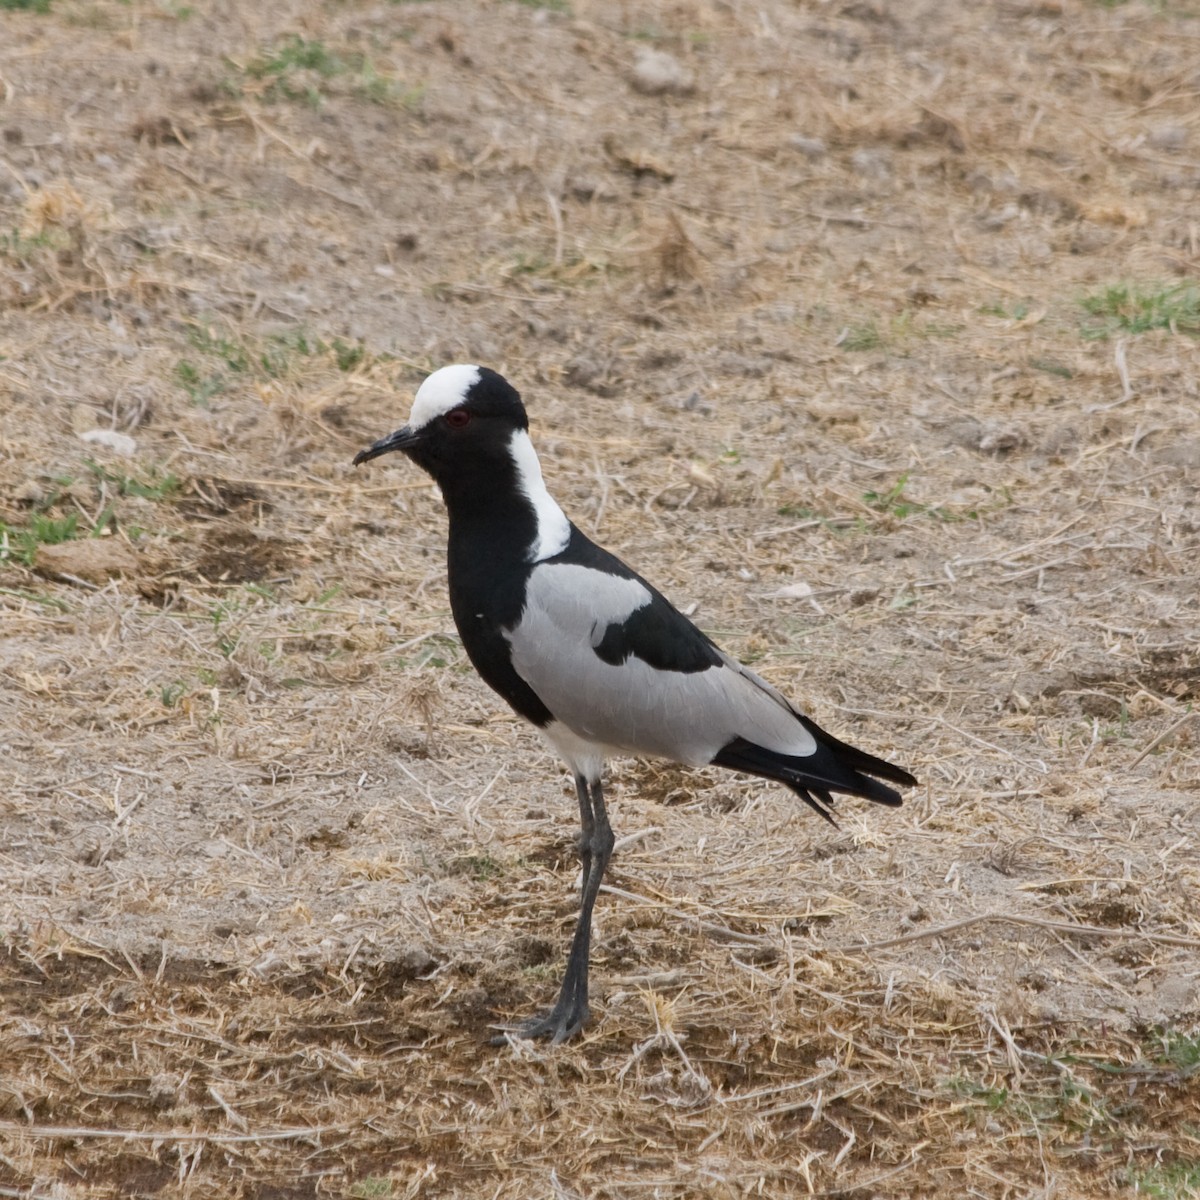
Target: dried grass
274,860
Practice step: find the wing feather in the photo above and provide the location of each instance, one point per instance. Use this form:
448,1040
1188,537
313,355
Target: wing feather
619,692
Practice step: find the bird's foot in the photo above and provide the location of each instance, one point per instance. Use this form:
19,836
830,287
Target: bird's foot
563,1021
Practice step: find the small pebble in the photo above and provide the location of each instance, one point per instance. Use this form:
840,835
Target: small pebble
1171,138
655,72
811,147
118,443
873,163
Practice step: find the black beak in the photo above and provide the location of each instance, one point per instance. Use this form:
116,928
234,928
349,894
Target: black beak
402,439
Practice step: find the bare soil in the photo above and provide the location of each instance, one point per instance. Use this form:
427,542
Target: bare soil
867,331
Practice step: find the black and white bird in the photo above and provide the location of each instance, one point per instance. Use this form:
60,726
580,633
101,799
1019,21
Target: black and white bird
586,650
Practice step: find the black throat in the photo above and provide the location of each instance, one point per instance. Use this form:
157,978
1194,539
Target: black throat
493,527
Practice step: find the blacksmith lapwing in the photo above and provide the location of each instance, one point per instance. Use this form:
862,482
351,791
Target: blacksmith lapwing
586,649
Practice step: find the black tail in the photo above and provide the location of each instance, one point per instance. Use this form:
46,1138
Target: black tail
835,767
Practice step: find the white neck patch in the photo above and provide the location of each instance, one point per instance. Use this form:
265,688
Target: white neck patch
553,528
445,389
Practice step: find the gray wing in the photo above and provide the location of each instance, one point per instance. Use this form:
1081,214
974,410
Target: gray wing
564,647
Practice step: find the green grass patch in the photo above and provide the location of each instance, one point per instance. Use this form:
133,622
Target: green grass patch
47,525
575,268
1013,312
23,247
1179,1180
1127,309
297,53
277,356
436,651
1112,1098
348,355
155,485
991,1098
1178,1049
20,544
320,604
37,6
896,504
1064,1103
46,601
374,1187
1050,367
304,70
864,336
481,867
542,972
897,332
226,614
1117,729
233,354
201,386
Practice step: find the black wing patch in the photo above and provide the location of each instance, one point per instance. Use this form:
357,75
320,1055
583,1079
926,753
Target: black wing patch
657,633
660,636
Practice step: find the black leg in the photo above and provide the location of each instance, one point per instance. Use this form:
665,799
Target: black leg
570,1010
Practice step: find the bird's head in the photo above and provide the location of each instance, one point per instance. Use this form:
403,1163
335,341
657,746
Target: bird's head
462,417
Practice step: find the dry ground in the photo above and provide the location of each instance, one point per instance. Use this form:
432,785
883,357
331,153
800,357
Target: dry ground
867,329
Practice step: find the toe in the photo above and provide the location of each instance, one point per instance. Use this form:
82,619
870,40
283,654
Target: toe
558,1025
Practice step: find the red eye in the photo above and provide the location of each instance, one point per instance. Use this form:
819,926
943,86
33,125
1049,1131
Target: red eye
456,418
